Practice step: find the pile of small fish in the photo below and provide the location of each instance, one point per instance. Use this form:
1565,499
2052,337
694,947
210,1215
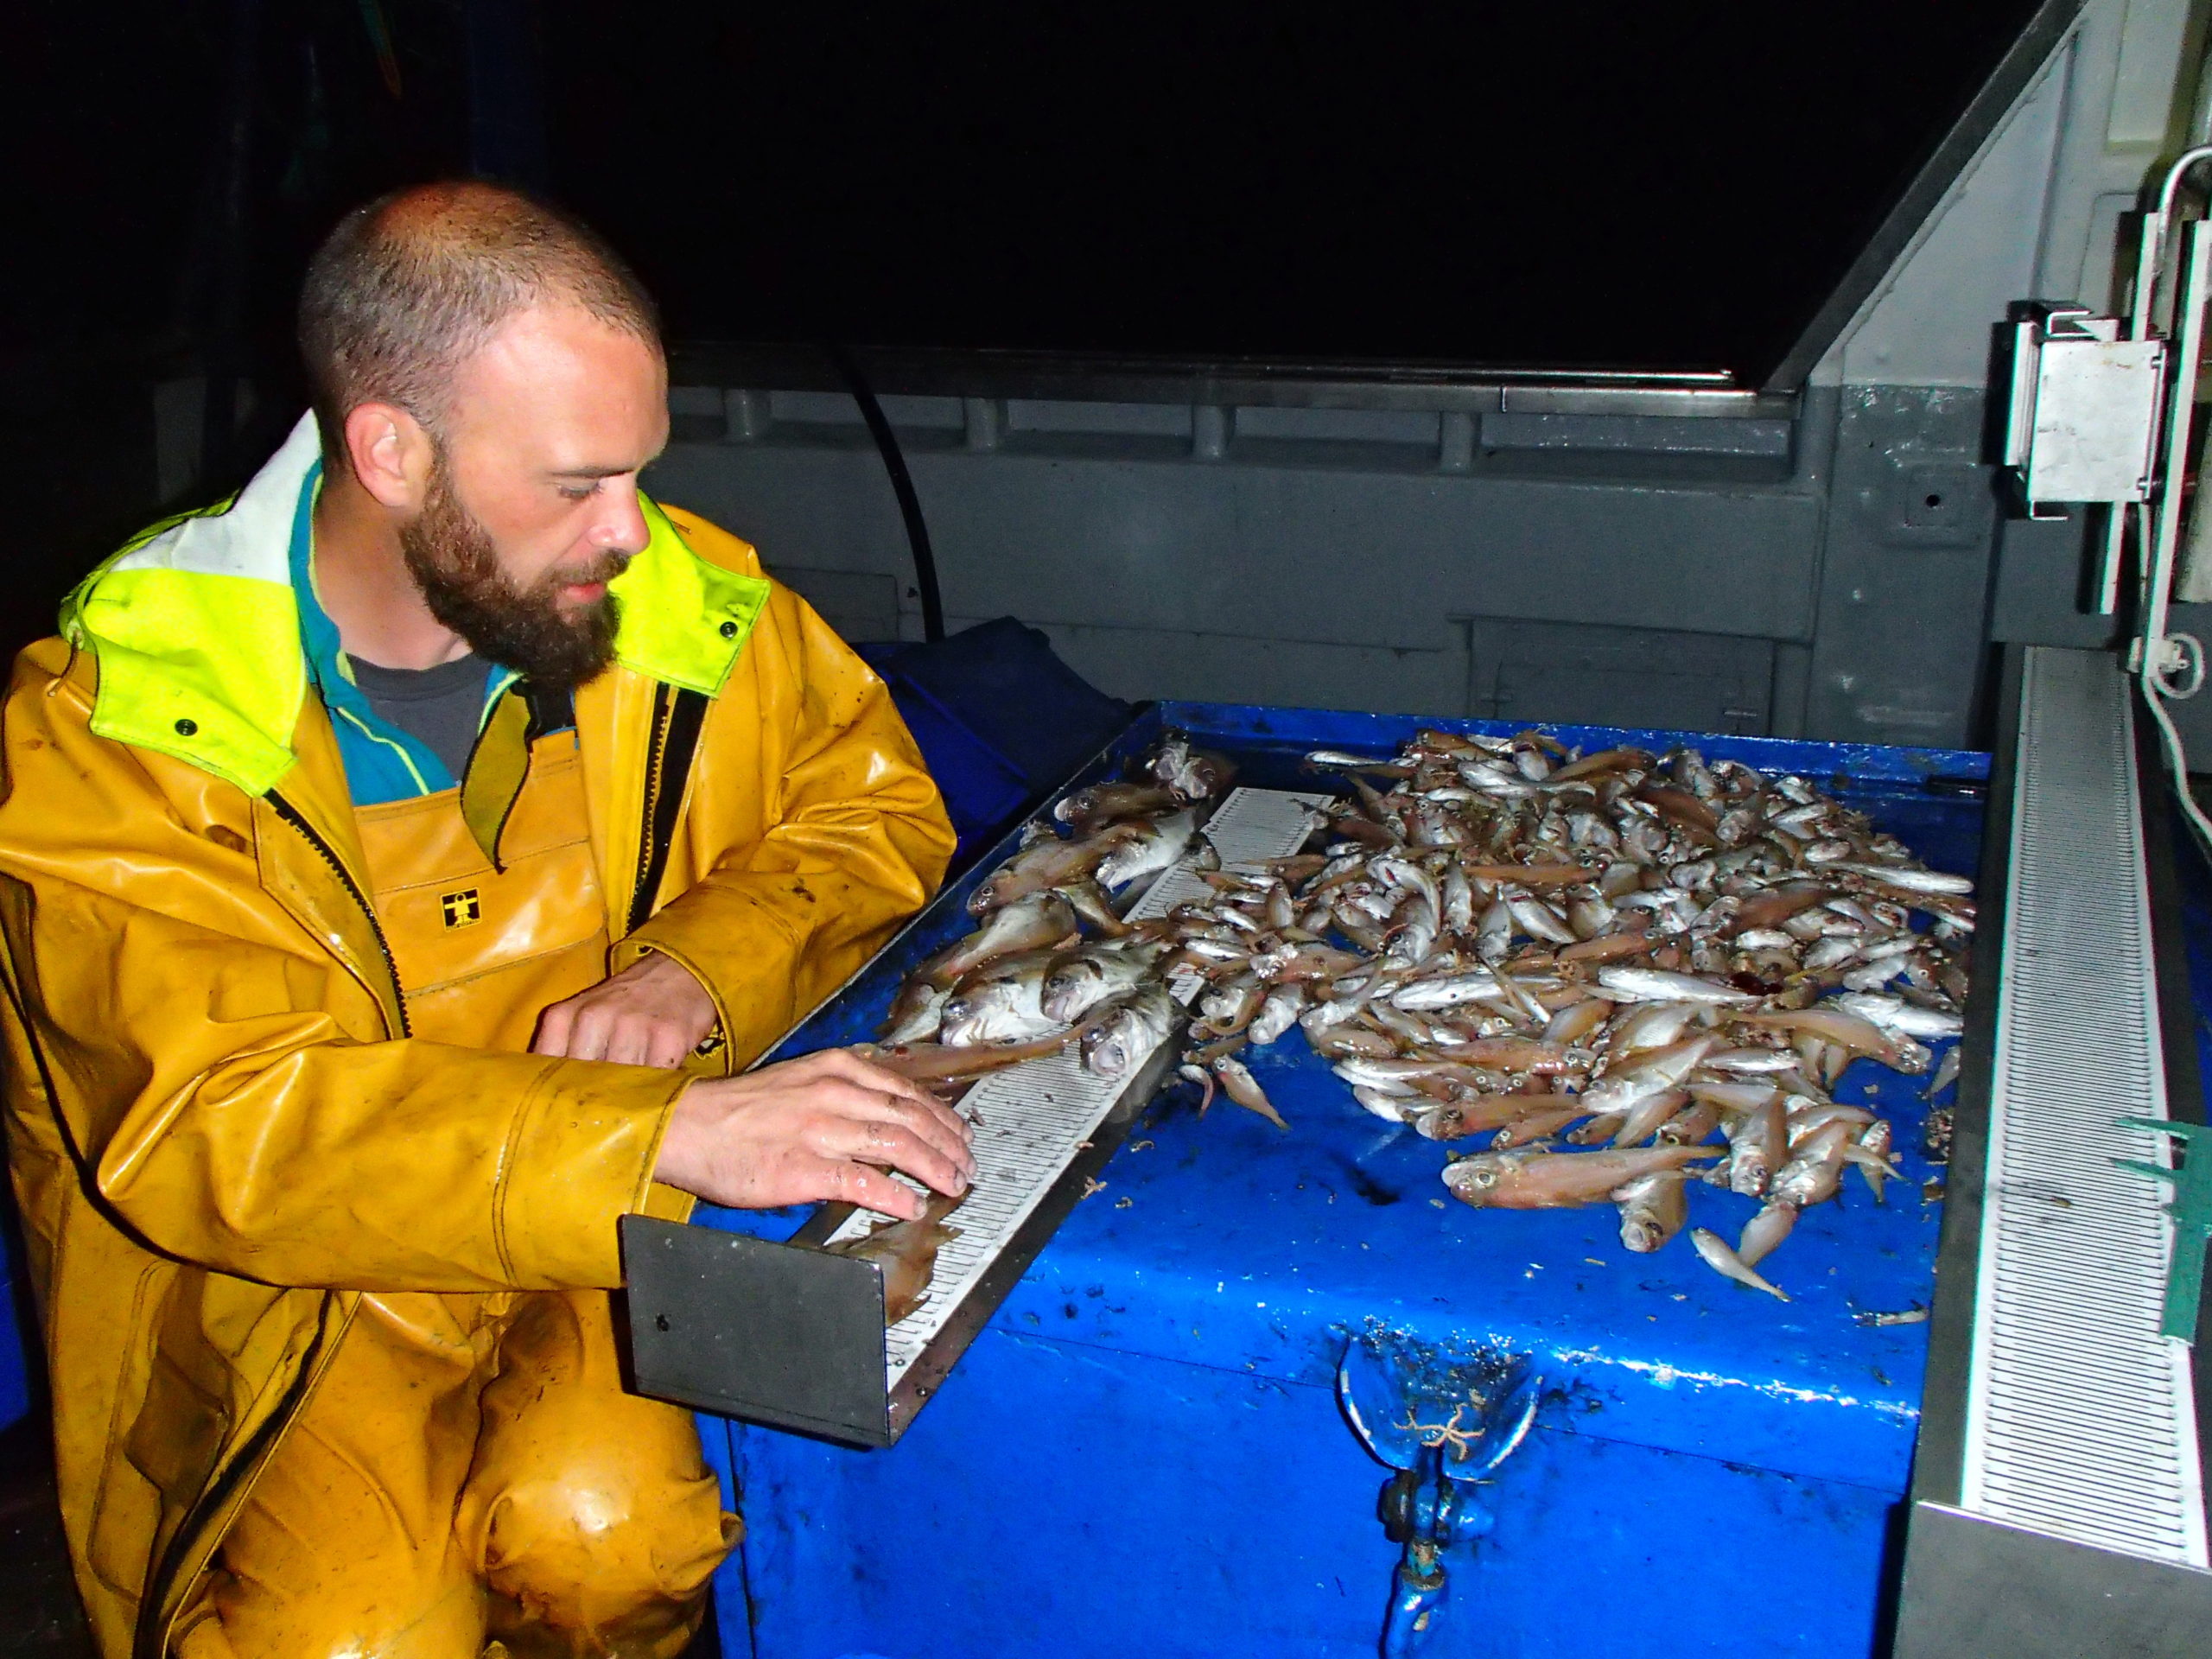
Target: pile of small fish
1030,980
1619,970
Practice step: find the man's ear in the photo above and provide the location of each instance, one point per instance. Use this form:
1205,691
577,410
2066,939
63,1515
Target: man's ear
391,455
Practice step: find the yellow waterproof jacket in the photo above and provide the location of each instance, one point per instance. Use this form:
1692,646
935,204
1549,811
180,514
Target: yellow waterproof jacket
217,1126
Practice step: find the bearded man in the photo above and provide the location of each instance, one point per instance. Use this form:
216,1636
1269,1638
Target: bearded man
397,864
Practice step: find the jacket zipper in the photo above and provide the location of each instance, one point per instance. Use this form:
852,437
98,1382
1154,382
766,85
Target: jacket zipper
648,859
291,814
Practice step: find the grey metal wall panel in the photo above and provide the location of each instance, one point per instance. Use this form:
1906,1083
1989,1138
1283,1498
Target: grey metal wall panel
1898,655
1317,555
1600,677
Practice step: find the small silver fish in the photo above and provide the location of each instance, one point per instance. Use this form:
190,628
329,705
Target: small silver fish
1277,1015
1714,1251
1241,1086
1653,1209
1909,880
1657,985
916,1014
1083,979
1008,1006
1763,1231
1118,1035
1153,845
1895,1014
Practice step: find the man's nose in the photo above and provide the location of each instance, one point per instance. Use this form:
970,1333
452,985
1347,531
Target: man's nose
621,528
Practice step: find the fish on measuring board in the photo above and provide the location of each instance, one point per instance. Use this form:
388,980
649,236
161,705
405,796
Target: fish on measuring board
1714,1250
1083,978
1102,804
928,1064
1045,862
906,1251
1002,1001
1154,845
1117,1035
1029,923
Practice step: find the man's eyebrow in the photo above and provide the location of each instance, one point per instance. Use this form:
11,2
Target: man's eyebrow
589,472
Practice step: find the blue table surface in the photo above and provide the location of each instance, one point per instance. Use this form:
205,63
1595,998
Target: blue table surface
1225,1243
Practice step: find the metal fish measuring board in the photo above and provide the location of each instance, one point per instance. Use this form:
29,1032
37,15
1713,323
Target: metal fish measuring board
792,1335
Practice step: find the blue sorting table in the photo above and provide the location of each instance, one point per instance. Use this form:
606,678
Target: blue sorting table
1142,1451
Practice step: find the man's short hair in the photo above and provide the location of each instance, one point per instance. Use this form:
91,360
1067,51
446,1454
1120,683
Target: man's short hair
409,287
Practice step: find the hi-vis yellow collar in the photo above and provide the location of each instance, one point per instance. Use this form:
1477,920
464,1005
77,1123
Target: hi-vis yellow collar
197,631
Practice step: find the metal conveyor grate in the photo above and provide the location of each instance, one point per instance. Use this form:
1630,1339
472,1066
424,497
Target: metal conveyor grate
2079,1420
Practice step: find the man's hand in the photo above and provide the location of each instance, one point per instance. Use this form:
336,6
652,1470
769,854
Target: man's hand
652,1013
817,1127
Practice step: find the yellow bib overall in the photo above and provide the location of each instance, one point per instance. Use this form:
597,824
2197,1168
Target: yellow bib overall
470,1469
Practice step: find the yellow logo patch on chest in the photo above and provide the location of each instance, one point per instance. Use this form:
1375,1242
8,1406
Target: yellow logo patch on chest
461,909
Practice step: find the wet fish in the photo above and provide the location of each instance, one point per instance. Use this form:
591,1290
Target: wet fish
1104,803
1894,1013
1763,1231
936,1062
1758,1146
906,1251
1194,774
1002,1001
1118,1035
1657,985
1082,979
1047,862
1653,1209
1848,1032
1151,846
1029,923
1544,1180
1814,1167
1278,1012
915,1017
1908,880
1239,1084
1725,1261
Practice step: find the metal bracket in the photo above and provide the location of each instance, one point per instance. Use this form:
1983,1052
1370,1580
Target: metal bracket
1444,1427
2082,424
2191,1211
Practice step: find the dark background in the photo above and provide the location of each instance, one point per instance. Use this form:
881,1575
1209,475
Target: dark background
1569,185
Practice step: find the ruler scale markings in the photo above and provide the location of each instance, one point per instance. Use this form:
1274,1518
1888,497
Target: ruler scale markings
2079,1420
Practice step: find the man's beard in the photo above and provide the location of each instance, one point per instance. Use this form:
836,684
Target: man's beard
454,562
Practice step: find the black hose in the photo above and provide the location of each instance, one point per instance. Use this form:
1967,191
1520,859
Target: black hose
902,485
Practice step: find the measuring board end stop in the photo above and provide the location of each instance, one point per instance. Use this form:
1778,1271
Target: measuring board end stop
745,1327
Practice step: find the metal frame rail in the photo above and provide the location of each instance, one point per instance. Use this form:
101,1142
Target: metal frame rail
2058,1503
